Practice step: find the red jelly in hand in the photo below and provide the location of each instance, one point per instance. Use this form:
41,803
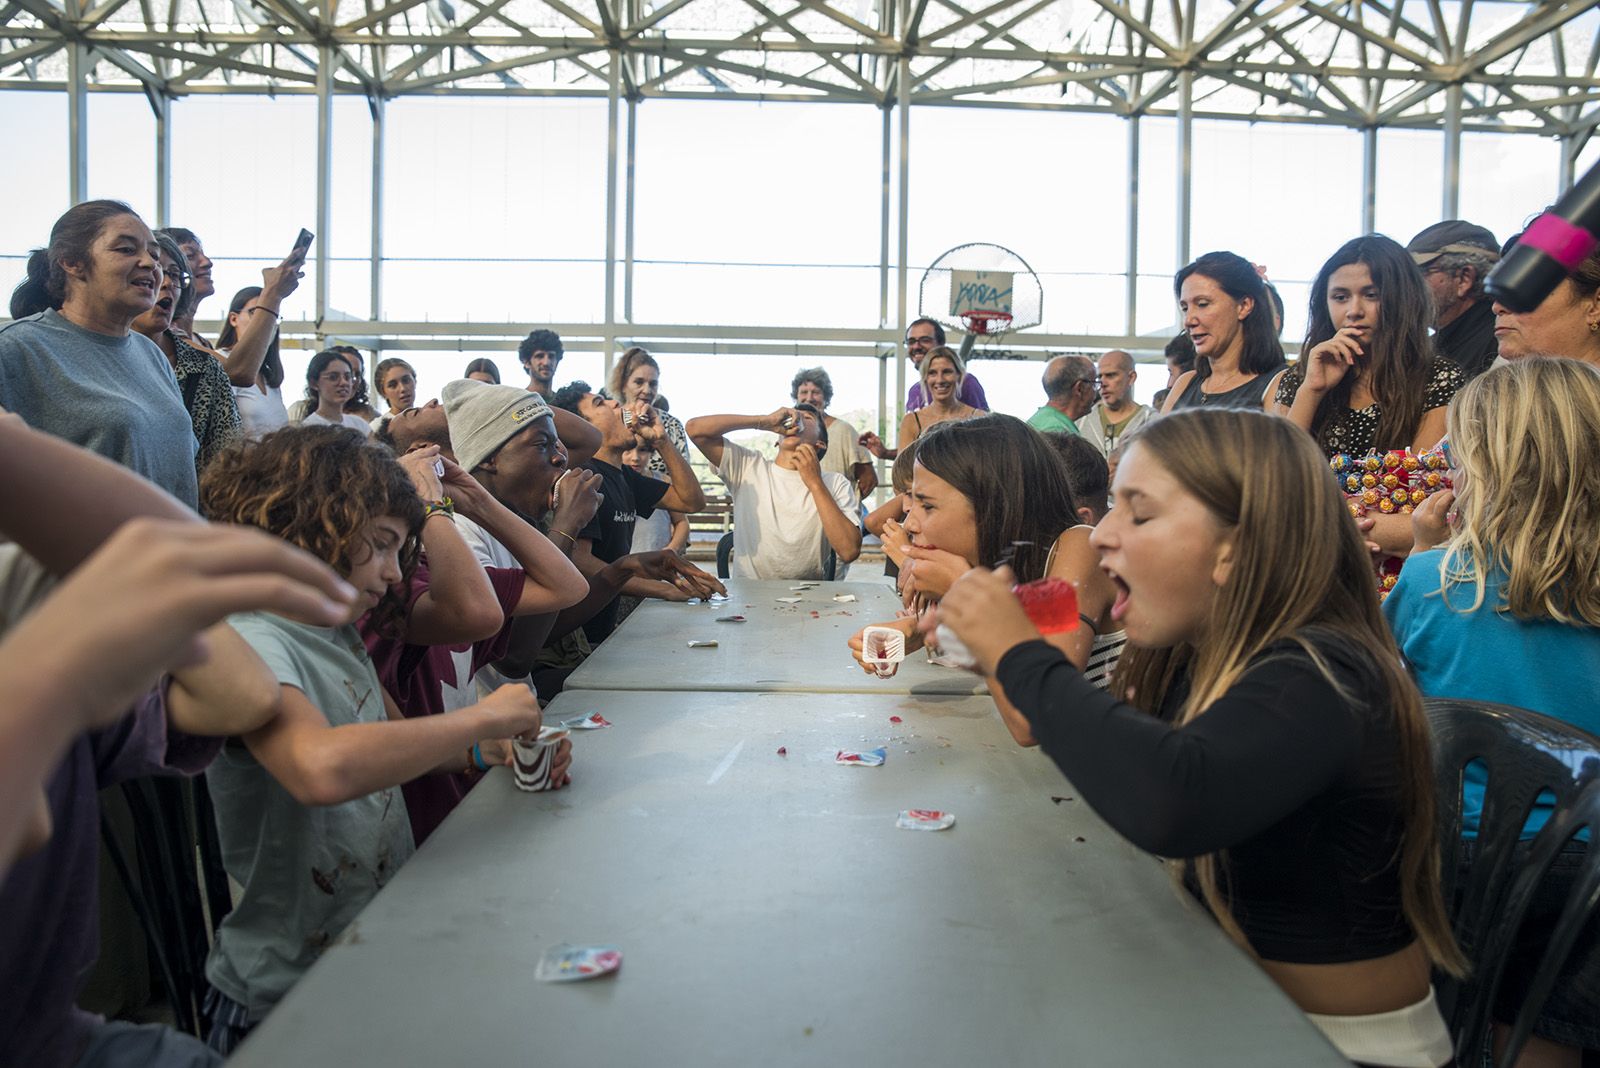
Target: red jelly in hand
1051,604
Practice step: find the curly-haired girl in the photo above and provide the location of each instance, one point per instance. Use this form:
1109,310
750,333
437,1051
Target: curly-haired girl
308,808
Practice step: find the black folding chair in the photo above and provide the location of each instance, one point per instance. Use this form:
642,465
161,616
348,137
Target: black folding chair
1581,813
1525,754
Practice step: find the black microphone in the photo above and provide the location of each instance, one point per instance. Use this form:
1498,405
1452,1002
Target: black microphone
1550,249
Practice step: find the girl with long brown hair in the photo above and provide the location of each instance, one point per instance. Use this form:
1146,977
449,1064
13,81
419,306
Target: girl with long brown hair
1369,377
1259,730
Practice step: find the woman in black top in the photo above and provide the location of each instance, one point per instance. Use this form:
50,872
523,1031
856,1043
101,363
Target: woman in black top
1260,729
1228,317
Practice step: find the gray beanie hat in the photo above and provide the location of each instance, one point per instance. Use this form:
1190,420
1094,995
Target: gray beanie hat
484,417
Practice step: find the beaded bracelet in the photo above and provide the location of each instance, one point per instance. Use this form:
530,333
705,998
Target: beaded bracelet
442,506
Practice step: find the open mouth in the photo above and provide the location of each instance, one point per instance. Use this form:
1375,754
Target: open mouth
1119,606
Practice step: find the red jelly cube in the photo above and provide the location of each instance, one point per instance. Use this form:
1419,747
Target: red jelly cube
1051,604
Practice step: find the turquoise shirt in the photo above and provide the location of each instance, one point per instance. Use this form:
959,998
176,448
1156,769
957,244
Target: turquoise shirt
1486,655
1047,419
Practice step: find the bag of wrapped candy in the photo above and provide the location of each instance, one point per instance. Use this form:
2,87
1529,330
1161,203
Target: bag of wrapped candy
1391,483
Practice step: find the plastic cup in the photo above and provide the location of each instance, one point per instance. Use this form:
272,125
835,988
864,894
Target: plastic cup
953,652
882,649
1051,604
531,761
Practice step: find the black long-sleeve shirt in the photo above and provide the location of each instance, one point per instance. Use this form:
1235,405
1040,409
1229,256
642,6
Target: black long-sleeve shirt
1298,784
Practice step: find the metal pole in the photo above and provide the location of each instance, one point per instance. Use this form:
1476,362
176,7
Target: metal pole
161,104
903,93
324,176
888,353
612,111
1369,179
1133,225
1452,151
627,230
77,118
1185,160
376,105
1569,162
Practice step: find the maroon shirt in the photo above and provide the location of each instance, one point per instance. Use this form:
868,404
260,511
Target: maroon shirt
416,677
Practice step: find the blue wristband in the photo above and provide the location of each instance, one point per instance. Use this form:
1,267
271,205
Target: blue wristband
477,757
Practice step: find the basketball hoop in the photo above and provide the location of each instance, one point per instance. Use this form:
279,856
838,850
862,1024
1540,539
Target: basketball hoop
983,323
985,290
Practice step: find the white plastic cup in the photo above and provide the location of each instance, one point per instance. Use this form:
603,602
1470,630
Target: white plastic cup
953,652
882,649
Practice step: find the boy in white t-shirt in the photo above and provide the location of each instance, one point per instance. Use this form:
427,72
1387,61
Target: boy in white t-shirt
787,513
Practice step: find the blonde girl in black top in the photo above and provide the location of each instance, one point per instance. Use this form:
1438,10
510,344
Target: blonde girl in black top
1260,729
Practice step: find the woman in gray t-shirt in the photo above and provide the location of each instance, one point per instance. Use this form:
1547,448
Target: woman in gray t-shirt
71,364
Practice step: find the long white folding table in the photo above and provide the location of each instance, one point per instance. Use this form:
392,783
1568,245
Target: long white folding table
770,912
784,646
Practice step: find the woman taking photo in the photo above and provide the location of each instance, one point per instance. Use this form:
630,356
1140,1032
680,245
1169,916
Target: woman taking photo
202,382
1259,729
249,348
637,379
968,506
1228,317
1509,562
942,374
74,367
330,383
1369,378
396,382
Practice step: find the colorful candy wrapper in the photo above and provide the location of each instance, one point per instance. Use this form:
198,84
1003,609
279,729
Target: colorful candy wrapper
871,758
925,819
592,722
567,964
730,619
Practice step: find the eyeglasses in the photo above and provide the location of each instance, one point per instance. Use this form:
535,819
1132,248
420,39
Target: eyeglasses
336,376
180,277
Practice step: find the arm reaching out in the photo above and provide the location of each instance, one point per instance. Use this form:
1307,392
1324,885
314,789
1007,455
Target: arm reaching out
133,610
